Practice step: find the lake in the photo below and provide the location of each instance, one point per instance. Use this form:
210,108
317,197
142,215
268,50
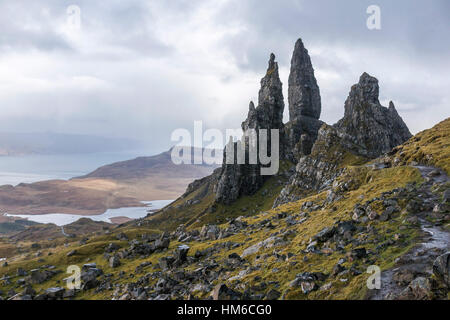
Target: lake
33,168
61,219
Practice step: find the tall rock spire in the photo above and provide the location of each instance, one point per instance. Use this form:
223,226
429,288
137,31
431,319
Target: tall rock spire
245,179
303,91
304,104
269,112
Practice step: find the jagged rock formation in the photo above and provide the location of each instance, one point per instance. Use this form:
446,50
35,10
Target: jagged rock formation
303,92
304,104
241,179
317,170
369,125
367,130
296,138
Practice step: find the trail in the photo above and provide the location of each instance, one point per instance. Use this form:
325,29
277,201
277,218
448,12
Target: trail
64,232
435,241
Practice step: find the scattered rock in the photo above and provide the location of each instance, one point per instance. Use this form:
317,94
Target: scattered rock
441,268
114,262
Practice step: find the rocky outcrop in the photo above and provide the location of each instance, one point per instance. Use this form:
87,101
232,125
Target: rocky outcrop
367,130
319,151
245,179
367,124
317,170
303,91
304,104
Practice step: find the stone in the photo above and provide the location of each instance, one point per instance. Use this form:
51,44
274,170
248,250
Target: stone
446,196
237,179
325,234
114,262
122,237
372,215
337,269
308,287
29,291
272,294
166,262
441,268
21,272
112,247
345,226
222,292
37,276
72,253
370,127
55,293
256,247
181,253
161,244
303,91
88,266
358,253
70,293
418,289
403,276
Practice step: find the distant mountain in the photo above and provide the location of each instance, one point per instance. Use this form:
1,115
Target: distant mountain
117,185
59,143
150,166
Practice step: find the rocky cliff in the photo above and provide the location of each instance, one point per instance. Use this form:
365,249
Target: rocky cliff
238,179
304,104
366,131
296,137
369,125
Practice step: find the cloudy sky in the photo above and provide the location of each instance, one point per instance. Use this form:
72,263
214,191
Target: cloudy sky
142,68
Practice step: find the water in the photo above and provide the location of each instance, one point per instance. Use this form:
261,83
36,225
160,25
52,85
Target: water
33,168
61,219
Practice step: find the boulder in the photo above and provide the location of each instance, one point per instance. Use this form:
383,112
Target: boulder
55,293
441,269
418,289
222,292
114,262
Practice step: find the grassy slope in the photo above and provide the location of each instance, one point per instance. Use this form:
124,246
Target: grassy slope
365,183
430,147
199,214
377,182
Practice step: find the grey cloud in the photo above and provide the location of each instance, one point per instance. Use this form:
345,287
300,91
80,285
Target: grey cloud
149,86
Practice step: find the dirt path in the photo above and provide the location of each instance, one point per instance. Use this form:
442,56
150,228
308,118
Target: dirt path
418,262
64,232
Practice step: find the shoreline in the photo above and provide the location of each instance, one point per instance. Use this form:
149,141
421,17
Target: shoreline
114,216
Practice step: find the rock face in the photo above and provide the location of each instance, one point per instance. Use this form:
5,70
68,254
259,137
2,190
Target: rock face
304,104
296,138
367,130
245,179
303,92
366,123
317,170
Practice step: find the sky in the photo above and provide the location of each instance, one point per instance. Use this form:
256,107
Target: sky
141,69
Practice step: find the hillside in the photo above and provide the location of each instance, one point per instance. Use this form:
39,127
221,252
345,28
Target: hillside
348,199
122,184
313,248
